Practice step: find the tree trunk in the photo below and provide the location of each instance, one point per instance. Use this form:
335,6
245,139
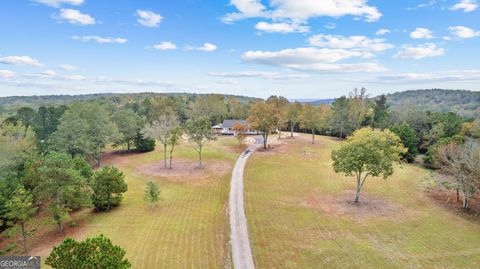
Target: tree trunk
357,195
313,136
341,132
466,201
24,236
200,155
171,156
108,202
165,155
99,158
128,146
458,195
60,226
292,125
265,137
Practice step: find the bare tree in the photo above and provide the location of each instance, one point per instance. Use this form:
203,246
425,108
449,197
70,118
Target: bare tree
462,163
161,129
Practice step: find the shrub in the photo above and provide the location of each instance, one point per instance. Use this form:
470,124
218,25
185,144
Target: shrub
108,184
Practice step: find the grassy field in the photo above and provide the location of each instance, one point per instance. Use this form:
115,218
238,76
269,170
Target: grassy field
300,216
189,229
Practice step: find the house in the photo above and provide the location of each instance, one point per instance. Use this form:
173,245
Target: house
226,128
217,129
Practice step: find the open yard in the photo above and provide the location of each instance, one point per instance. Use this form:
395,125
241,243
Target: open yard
189,229
300,215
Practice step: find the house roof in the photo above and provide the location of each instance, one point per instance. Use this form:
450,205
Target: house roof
230,123
218,126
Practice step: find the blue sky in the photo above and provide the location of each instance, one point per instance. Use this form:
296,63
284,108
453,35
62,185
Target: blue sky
294,48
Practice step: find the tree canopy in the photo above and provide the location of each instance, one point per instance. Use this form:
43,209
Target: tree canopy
366,153
93,253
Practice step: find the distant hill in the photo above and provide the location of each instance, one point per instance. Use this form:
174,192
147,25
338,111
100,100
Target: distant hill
465,103
314,101
11,103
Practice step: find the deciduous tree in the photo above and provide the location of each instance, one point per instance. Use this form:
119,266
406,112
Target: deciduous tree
279,106
240,132
339,119
262,119
367,153
173,140
152,194
161,129
128,123
309,119
199,132
293,115
462,163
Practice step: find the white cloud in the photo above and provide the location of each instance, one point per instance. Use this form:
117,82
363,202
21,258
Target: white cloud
281,27
429,3
359,43
68,67
207,47
312,59
74,16
421,33
330,26
420,51
57,3
246,9
99,39
148,18
382,31
259,74
48,73
463,32
20,60
6,74
301,10
465,5
166,45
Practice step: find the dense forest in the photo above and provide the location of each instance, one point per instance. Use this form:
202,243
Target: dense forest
8,105
464,103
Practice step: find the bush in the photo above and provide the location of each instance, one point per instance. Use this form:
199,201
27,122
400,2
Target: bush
108,184
144,144
432,150
97,252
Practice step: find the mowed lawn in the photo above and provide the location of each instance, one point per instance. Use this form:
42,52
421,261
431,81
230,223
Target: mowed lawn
299,216
189,229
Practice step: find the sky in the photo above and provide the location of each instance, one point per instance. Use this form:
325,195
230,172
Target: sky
293,48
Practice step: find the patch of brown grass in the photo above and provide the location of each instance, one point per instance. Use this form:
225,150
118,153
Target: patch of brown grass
369,206
448,199
186,170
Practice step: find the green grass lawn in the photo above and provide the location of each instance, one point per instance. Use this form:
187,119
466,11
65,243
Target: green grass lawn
189,229
299,216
